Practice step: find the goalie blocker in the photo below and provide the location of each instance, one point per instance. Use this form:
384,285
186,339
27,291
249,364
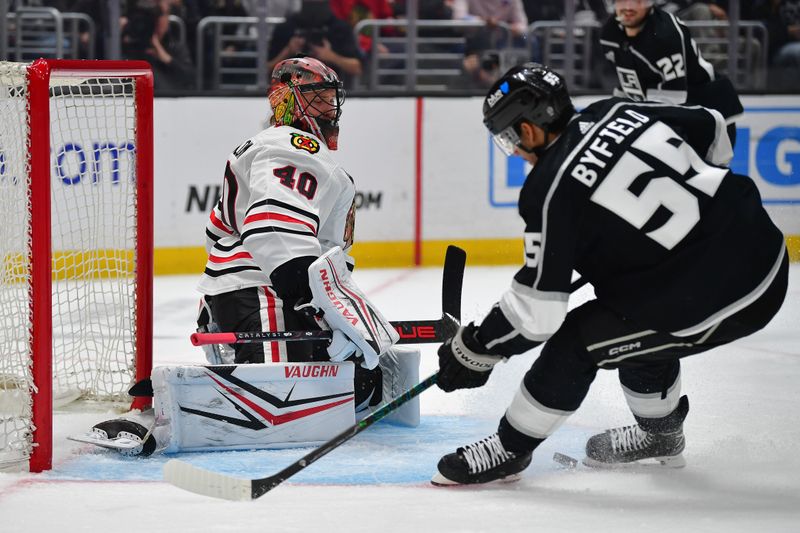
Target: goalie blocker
254,406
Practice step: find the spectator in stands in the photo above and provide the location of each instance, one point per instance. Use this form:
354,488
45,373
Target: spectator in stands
585,10
145,37
426,10
316,32
782,18
482,57
354,11
554,9
98,12
689,10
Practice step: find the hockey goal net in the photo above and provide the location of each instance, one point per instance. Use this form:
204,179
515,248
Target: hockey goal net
75,243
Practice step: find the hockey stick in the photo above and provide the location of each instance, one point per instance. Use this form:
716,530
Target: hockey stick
410,331
216,485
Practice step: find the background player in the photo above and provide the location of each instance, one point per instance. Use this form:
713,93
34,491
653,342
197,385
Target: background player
636,198
656,59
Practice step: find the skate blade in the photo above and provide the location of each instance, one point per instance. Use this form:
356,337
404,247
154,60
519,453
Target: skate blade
439,480
672,461
120,443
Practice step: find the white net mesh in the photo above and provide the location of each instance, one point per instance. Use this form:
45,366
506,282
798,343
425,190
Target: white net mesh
93,210
15,371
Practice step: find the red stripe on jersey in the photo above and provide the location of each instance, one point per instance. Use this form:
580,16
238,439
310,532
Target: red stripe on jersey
240,255
282,218
273,324
219,224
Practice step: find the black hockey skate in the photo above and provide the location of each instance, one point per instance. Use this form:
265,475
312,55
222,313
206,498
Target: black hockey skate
121,429
481,462
659,439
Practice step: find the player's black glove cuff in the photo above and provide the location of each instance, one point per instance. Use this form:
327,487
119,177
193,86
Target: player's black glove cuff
463,361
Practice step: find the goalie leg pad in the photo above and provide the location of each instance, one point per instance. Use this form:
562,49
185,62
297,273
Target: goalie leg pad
253,406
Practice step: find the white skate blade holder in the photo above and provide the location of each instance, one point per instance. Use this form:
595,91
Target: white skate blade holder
118,443
675,461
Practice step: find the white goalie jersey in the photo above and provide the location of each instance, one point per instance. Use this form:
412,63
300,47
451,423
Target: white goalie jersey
284,197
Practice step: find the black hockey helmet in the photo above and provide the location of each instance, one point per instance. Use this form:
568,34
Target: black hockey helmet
529,92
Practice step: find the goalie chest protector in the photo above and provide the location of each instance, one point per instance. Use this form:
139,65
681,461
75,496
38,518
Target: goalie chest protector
243,407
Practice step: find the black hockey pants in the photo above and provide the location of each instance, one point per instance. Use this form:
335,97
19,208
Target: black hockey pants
594,337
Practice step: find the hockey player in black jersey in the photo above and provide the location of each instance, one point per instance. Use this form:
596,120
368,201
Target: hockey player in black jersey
656,59
637,199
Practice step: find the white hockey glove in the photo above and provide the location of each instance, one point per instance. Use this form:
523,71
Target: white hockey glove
340,347
347,310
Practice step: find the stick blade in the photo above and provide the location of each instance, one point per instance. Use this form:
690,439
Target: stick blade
455,260
200,481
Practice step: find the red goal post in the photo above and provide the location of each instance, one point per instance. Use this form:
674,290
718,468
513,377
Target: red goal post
76,191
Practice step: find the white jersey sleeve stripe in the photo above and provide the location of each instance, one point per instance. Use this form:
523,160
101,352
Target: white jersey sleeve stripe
535,318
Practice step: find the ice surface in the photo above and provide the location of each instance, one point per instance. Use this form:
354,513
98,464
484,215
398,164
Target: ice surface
743,439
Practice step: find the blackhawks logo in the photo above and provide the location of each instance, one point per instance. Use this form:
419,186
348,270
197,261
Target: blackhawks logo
304,142
349,226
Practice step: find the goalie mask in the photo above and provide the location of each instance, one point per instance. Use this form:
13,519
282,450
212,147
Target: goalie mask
306,94
529,92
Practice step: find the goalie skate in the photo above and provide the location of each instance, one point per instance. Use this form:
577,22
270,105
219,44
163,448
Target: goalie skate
125,436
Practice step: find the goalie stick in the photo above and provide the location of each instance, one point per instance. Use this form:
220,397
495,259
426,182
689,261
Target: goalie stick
201,481
410,331
216,485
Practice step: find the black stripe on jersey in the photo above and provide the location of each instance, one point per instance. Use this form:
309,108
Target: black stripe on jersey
211,236
284,205
274,229
223,218
233,191
498,331
230,270
227,248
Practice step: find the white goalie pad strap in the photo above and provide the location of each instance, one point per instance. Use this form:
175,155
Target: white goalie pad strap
254,406
346,309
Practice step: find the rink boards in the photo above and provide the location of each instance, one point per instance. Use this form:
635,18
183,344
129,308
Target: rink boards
426,172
